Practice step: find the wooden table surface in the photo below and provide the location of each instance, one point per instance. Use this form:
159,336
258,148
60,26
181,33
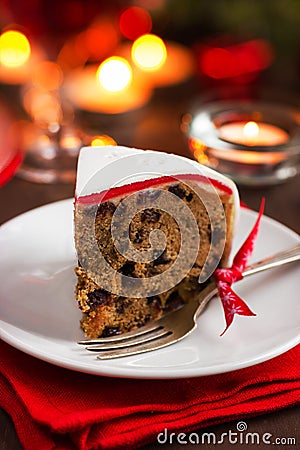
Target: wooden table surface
157,127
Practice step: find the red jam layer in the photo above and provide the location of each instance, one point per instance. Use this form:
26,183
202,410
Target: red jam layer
118,191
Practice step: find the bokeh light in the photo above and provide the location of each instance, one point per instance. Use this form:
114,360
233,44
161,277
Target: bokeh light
99,40
198,149
93,44
102,140
70,142
134,22
14,48
114,74
149,52
44,107
47,75
218,63
237,60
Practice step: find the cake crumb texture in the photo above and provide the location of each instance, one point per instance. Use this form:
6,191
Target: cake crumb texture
106,314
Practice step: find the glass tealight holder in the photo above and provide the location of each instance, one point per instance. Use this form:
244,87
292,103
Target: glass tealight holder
254,143
50,138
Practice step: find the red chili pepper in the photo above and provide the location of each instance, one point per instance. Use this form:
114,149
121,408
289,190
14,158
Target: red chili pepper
232,303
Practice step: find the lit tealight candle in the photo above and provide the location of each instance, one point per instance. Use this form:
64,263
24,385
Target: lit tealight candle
253,133
260,152
110,88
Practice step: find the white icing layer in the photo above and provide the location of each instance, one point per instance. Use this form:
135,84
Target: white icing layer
101,168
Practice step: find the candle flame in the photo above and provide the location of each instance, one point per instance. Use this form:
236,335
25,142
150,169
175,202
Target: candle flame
114,74
149,52
14,49
251,129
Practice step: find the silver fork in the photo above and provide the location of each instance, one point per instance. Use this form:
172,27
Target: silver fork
174,326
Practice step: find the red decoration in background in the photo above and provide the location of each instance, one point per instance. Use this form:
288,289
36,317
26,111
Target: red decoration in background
7,172
232,303
242,60
134,22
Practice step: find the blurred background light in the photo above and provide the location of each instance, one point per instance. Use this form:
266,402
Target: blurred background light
93,44
102,140
134,22
44,107
47,75
229,61
14,48
99,39
114,74
149,52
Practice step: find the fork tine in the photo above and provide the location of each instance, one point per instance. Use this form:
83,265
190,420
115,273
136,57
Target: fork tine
203,298
142,348
122,337
141,339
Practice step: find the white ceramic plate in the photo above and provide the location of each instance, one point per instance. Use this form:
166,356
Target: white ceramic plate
39,314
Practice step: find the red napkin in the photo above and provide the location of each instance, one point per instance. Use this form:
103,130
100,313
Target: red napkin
58,408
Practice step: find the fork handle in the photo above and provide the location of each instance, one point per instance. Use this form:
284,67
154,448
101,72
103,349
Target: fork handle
276,260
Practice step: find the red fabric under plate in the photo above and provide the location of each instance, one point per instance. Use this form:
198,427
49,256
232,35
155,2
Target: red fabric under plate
58,408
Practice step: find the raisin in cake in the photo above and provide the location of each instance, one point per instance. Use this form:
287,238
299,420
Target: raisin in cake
106,177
